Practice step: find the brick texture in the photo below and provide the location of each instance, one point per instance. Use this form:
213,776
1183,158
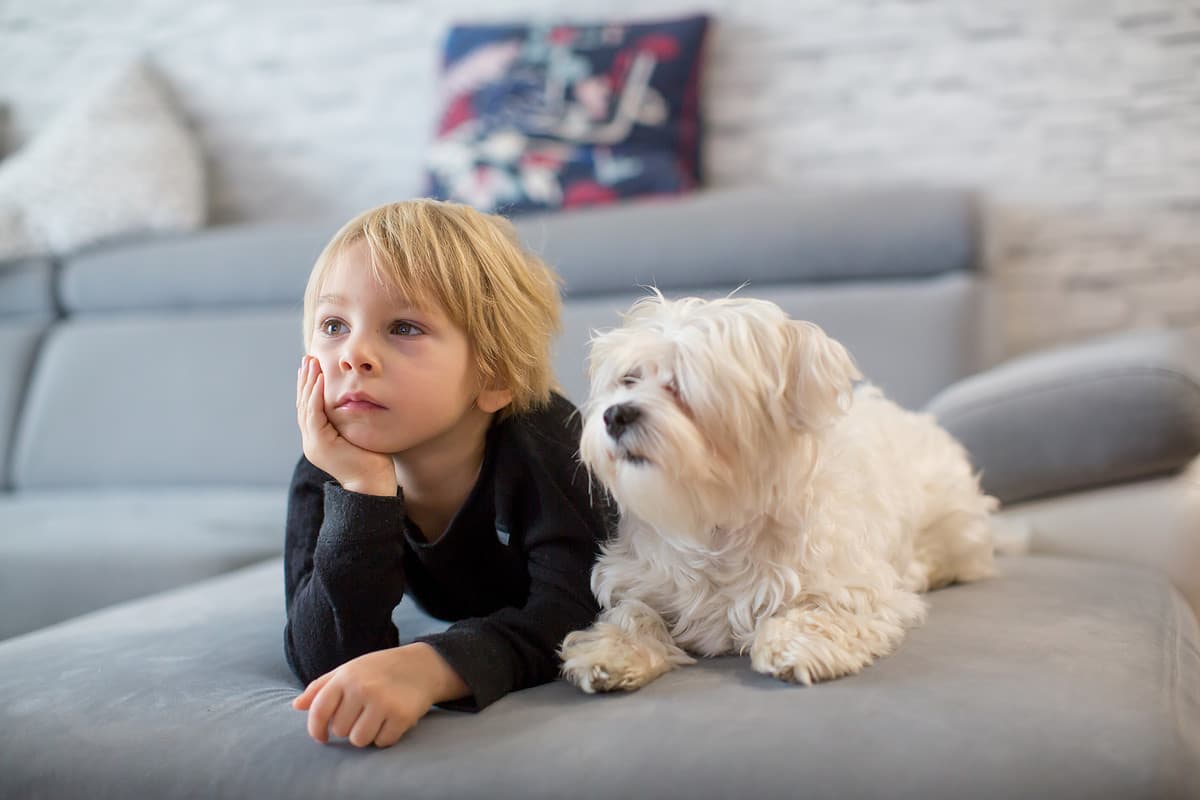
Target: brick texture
1078,121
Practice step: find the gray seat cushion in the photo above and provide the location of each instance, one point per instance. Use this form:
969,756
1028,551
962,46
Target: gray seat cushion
1116,409
1062,679
62,555
1154,523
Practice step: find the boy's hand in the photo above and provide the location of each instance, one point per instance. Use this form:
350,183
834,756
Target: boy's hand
356,469
376,698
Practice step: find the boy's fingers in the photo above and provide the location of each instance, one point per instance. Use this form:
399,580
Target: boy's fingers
390,733
311,414
323,708
317,421
305,698
304,393
348,713
310,396
300,378
318,394
366,729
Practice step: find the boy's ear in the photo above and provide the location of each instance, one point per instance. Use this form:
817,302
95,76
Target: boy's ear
492,400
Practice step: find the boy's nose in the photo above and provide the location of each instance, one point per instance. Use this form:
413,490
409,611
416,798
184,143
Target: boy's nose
359,358
358,365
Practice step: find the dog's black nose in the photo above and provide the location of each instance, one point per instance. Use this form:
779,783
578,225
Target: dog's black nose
619,417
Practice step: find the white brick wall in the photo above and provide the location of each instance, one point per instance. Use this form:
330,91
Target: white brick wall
1078,120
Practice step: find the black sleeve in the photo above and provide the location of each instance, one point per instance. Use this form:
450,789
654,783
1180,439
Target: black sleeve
559,518
342,572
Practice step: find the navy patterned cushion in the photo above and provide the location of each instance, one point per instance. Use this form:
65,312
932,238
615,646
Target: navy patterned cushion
540,117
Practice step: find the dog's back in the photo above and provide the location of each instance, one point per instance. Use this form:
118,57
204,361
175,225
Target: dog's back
913,473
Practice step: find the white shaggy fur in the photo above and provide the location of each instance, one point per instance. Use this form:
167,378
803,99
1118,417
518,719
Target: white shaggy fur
766,505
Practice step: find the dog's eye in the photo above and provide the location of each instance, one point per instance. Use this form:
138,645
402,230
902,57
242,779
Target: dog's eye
672,386
629,379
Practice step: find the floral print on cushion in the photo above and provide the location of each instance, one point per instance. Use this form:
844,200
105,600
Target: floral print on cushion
540,117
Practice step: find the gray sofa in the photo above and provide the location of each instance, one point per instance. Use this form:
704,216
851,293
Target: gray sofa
147,433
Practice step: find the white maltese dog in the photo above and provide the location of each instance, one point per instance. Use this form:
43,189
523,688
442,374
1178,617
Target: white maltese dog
766,504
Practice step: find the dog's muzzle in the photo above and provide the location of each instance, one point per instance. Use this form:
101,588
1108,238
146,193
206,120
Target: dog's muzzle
618,417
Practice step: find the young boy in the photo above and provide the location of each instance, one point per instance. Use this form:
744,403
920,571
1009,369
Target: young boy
437,461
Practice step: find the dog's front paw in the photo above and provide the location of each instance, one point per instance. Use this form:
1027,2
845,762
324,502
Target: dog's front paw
804,647
604,658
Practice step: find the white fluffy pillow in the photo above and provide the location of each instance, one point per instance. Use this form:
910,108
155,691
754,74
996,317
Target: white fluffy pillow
117,162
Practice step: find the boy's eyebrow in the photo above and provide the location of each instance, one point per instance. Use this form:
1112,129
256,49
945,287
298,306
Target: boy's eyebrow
337,300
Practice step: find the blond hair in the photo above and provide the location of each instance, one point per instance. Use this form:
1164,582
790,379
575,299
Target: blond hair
473,266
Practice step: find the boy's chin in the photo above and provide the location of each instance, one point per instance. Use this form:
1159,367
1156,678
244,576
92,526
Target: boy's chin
368,440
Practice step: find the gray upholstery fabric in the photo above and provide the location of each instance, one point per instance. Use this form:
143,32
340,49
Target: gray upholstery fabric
761,235
66,554
1044,682
161,400
883,324
18,344
26,288
232,266
1155,523
1115,409
781,237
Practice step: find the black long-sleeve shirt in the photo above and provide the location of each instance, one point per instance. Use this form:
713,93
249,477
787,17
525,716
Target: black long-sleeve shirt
512,569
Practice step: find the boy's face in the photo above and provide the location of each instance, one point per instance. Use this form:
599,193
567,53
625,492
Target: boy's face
397,378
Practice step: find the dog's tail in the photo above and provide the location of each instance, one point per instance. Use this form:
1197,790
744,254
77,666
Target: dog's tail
1011,536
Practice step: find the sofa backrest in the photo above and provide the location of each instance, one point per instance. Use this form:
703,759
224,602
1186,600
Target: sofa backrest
174,360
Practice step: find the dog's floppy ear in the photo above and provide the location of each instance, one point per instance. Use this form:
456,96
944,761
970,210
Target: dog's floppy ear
821,383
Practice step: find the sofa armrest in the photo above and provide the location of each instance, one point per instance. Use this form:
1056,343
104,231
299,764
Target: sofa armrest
1113,410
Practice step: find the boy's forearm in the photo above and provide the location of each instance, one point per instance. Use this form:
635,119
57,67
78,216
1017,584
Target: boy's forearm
342,564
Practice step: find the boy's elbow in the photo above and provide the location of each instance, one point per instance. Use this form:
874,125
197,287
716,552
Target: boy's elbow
305,673
289,652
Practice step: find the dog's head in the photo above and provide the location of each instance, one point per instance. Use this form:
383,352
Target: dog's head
701,411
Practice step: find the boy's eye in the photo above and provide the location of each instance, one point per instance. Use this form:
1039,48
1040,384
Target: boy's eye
332,327
402,328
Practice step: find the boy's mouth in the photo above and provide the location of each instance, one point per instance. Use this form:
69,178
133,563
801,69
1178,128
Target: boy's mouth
359,401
